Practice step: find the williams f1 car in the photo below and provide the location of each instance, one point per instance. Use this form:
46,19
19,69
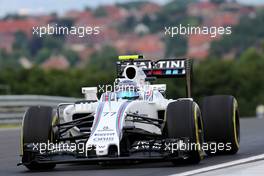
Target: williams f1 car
133,122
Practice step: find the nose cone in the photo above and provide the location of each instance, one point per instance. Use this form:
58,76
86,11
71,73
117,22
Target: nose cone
107,127
103,141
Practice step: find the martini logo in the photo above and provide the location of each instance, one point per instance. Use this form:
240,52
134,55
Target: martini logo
170,64
161,64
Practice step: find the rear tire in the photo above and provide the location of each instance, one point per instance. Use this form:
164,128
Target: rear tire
184,120
36,128
221,123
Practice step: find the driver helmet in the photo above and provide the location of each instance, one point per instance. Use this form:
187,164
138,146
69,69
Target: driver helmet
127,89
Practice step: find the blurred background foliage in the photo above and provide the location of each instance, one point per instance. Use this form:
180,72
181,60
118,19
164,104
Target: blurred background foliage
240,74
242,78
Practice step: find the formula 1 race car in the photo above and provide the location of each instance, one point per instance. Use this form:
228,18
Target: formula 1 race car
133,122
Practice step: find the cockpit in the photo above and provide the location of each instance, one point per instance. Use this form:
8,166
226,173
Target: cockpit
127,89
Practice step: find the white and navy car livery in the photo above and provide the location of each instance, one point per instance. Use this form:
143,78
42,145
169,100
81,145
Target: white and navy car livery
134,121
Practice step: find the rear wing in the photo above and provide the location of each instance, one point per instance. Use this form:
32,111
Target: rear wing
165,68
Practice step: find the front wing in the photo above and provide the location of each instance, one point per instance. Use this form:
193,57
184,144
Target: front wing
151,150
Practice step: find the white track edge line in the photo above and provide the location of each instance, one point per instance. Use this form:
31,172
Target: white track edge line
221,166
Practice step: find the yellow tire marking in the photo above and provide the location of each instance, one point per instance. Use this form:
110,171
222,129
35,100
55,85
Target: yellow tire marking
197,131
234,122
22,137
21,142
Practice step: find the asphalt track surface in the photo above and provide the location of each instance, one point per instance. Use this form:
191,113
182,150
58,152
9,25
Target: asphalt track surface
252,144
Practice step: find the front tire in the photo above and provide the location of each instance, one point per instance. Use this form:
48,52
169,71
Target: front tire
184,120
36,128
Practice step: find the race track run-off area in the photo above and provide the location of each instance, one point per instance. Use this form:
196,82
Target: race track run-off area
251,149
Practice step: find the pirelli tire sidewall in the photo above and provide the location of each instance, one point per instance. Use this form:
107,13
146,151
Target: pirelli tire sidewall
221,123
